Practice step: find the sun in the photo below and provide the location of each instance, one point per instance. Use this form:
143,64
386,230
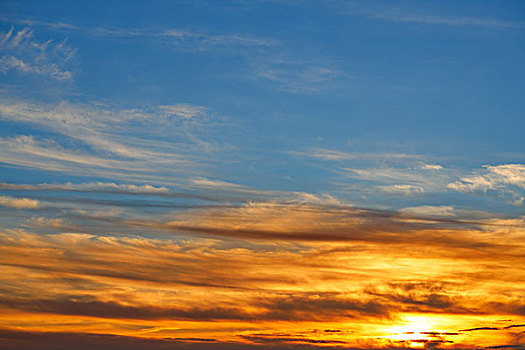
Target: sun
412,328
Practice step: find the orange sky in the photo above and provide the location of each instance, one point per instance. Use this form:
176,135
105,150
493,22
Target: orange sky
270,274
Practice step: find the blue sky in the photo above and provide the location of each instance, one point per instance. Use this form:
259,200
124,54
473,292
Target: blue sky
278,95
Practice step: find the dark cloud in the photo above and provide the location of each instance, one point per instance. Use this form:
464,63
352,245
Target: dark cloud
269,339
293,308
113,310
421,297
514,326
18,340
426,297
317,307
479,329
439,333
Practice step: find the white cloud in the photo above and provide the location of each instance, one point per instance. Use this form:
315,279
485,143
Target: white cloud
403,189
48,155
429,210
51,70
296,75
22,53
183,38
215,183
432,167
269,60
68,186
497,177
408,15
388,175
335,155
396,173
142,142
183,110
309,198
443,20
19,203
49,223
206,41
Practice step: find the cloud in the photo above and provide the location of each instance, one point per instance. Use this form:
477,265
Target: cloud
93,186
505,177
203,41
405,15
479,329
442,20
421,297
515,326
311,223
95,141
114,310
403,189
432,166
319,199
18,340
22,53
296,76
298,218
280,339
51,70
297,308
178,37
51,223
428,210
335,155
268,59
395,173
130,283
387,174
185,111
215,183
19,203
138,190
409,174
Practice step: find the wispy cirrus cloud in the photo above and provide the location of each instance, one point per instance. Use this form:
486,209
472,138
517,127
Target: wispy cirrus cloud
384,172
297,75
94,186
337,155
403,189
413,174
184,38
268,59
22,52
425,18
410,14
429,210
111,141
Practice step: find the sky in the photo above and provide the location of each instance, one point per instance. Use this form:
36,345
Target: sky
262,174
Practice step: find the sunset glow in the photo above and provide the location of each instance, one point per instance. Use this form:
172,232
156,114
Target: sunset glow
262,175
